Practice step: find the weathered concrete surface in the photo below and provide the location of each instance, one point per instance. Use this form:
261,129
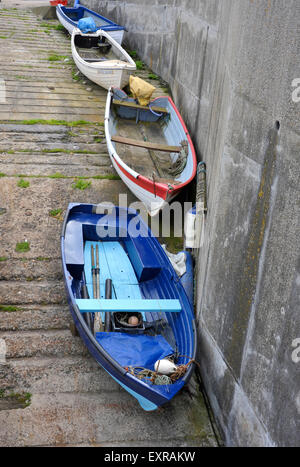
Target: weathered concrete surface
73,401
230,65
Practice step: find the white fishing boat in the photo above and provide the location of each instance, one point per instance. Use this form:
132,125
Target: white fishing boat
101,59
149,147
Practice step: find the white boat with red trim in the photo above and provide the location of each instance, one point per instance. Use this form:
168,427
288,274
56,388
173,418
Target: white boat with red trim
149,147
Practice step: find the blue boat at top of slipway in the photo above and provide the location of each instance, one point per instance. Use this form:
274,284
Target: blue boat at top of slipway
135,277
69,18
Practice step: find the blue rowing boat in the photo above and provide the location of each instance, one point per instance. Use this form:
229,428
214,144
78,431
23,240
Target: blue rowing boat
128,304
69,18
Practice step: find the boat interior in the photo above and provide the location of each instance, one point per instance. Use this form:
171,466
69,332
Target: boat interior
93,48
75,14
149,140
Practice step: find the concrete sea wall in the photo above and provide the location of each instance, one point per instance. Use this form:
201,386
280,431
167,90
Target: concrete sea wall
232,66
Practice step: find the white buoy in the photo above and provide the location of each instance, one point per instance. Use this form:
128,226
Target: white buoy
165,367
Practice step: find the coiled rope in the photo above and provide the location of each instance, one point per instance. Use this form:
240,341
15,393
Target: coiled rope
156,378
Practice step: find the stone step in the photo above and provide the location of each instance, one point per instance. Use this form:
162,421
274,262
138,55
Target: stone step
34,317
77,140
76,111
40,343
65,169
17,22
72,85
51,92
34,43
33,63
51,81
34,50
32,292
59,86
102,418
39,31
48,98
59,67
36,32
42,75
16,36
46,375
82,104
28,114
40,268
89,162
40,131
59,145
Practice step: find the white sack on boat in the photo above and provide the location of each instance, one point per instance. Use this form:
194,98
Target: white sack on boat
178,261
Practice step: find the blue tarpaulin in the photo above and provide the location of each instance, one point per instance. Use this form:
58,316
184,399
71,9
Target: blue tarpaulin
87,25
134,349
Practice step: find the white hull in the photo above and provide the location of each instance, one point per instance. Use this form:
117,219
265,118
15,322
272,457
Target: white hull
153,204
103,77
106,73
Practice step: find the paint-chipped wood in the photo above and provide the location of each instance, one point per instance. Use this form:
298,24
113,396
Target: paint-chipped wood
145,144
132,105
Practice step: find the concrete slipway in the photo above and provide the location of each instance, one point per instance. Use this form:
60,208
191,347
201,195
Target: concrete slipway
51,392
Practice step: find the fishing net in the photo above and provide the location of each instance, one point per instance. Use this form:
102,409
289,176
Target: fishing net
157,378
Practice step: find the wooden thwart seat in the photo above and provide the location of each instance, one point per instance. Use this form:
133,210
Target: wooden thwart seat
133,105
145,144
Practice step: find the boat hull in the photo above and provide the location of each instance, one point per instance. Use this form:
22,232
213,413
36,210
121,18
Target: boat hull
104,77
115,31
82,218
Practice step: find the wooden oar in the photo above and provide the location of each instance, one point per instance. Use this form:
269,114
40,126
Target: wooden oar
97,272
108,295
93,272
98,325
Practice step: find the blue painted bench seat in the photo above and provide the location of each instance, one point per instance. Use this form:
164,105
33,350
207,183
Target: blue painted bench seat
122,305
115,265
144,262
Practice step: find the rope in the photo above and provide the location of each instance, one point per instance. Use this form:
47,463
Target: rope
150,375
154,113
177,167
158,379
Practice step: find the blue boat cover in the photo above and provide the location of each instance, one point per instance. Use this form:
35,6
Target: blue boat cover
136,350
87,25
